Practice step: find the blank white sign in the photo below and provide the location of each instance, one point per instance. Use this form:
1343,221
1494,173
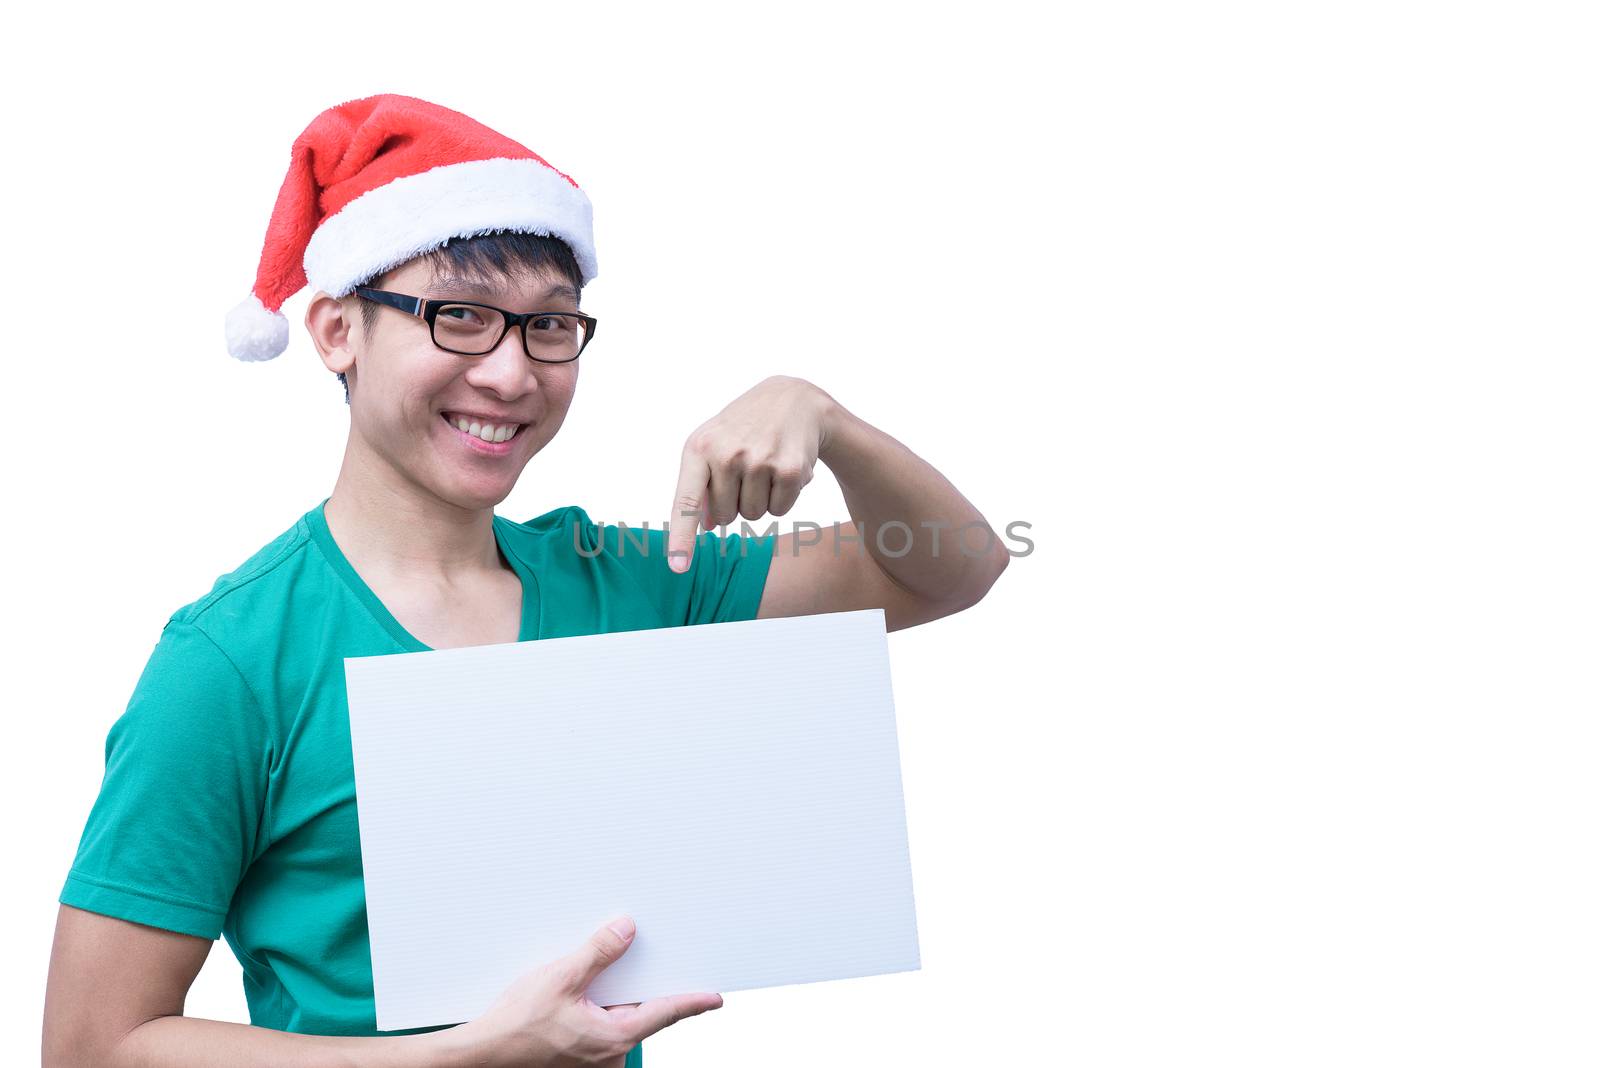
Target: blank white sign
734,787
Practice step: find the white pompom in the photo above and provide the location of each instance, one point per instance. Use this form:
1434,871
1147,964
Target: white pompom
254,333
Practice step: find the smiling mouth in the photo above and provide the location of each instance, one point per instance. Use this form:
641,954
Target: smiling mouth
488,433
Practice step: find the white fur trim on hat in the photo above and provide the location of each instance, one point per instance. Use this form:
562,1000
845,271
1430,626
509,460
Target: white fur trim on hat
402,219
254,333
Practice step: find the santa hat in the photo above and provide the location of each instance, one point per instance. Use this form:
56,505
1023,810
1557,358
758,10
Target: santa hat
378,181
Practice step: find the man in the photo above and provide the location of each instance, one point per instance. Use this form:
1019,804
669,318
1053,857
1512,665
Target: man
448,263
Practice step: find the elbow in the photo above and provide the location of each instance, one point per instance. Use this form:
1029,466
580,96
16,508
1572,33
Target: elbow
80,1043
76,1048
64,1043
62,1049
985,574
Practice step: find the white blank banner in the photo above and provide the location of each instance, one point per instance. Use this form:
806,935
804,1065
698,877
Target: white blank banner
734,787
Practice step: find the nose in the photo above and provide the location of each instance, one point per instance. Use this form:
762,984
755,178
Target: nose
506,370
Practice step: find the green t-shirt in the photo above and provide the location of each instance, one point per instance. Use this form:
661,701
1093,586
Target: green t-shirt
228,804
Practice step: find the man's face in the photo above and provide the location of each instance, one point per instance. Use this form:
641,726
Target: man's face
403,387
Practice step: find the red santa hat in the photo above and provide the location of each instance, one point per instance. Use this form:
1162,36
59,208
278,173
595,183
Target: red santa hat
378,181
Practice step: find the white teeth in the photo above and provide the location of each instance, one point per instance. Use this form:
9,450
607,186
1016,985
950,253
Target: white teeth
484,431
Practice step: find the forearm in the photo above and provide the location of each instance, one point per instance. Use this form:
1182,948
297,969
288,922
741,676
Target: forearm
950,551
185,1041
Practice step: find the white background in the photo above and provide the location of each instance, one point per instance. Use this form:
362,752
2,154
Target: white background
1276,322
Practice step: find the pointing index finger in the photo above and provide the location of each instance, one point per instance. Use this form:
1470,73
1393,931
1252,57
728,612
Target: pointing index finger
694,473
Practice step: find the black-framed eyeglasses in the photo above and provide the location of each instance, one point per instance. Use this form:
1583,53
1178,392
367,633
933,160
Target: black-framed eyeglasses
470,329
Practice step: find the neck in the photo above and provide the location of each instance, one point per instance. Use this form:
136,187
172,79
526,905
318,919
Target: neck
391,524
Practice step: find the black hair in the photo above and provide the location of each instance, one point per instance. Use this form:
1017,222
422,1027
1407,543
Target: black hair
497,256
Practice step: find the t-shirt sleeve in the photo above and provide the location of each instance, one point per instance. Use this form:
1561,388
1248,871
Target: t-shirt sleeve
726,575
175,824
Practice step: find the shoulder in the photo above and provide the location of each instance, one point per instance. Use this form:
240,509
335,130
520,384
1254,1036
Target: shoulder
570,534
725,581
253,595
569,521
220,661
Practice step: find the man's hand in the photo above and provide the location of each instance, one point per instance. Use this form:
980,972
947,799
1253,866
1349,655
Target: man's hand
751,458
546,1018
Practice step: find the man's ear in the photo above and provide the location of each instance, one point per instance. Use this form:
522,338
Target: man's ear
335,331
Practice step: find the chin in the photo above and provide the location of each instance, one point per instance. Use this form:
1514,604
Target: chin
476,496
